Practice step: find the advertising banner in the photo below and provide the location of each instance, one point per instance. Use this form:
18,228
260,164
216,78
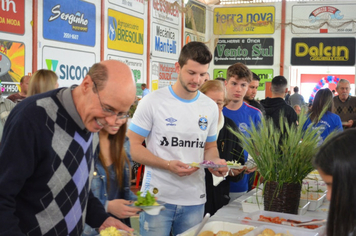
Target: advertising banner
136,66
12,16
244,20
190,36
163,75
315,19
166,10
266,75
12,65
69,21
250,51
323,51
165,41
71,66
125,32
195,17
134,5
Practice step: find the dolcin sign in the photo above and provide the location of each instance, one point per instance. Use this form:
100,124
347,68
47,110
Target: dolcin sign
5,64
323,51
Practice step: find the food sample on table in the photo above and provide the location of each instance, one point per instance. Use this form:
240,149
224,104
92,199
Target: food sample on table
270,232
278,220
148,200
242,232
275,220
226,233
110,231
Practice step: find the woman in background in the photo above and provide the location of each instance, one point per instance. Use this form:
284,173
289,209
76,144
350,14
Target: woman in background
229,149
112,173
329,121
42,81
336,163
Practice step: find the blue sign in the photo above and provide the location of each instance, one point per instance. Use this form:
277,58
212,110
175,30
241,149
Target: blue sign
69,21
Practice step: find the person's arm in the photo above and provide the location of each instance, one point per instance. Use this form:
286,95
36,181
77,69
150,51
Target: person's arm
96,214
142,155
17,163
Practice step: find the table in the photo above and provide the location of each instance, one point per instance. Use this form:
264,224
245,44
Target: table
233,210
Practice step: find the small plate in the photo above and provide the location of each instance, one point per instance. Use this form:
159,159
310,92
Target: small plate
236,167
152,210
211,165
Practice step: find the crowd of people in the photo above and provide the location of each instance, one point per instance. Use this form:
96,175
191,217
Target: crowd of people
71,174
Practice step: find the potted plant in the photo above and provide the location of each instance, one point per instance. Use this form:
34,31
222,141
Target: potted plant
283,157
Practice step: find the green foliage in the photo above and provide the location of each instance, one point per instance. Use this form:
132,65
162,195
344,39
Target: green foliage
283,155
148,200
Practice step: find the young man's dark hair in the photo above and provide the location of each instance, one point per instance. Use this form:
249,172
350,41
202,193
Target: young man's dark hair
279,84
296,89
195,51
144,85
240,71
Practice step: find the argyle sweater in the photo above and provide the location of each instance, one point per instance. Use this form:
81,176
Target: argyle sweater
346,110
45,163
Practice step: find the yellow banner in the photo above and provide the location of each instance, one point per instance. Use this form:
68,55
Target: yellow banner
125,32
244,20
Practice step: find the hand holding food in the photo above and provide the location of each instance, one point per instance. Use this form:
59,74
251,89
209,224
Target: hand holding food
121,208
147,200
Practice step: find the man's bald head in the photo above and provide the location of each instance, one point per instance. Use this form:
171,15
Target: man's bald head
109,85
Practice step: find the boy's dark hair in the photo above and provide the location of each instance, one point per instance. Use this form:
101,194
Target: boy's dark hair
196,51
239,71
279,84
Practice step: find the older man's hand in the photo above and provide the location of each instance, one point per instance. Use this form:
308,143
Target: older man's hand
111,221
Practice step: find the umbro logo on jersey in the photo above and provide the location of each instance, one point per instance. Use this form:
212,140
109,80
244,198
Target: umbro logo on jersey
171,121
176,142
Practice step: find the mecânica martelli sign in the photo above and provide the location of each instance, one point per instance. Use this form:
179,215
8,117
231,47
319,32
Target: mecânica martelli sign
323,51
250,51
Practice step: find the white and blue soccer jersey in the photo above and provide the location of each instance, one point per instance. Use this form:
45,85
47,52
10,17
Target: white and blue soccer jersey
176,129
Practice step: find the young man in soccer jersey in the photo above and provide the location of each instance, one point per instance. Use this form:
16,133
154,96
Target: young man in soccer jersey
180,127
237,82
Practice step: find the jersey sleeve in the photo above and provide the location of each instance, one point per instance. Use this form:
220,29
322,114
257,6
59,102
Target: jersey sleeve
213,129
142,120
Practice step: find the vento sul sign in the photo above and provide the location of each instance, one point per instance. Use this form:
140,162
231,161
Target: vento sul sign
125,32
244,20
323,51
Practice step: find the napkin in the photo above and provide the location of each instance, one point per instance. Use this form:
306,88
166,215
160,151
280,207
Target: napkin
217,180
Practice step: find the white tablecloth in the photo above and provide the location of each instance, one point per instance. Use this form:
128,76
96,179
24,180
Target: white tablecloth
233,210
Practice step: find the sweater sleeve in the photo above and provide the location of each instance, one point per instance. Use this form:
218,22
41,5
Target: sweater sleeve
96,214
17,163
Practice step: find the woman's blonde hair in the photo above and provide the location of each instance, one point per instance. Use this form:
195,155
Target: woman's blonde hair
42,81
214,85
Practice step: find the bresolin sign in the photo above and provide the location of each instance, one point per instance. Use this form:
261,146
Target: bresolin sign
71,66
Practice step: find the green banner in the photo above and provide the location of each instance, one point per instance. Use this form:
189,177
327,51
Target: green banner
266,75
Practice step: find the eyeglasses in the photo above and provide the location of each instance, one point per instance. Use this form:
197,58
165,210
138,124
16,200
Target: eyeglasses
108,111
